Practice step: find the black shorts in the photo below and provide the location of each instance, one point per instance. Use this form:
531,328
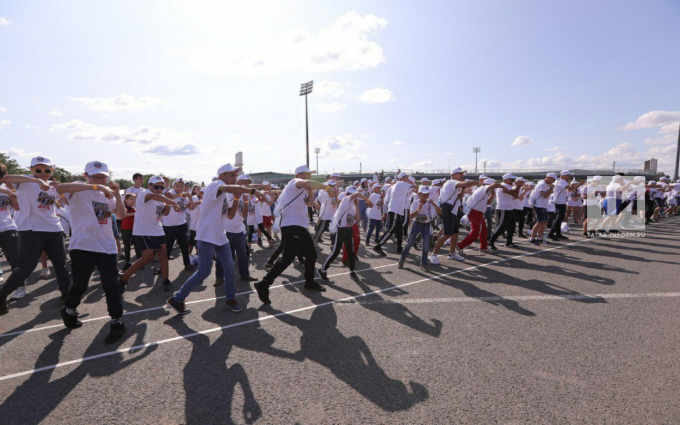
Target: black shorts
150,242
450,220
541,215
661,202
192,237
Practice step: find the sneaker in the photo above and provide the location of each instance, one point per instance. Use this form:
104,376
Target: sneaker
401,262
116,331
127,265
3,307
262,289
353,275
70,321
323,274
167,285
562,237
248,279
456,256
434,260
45,273
511,245
378,249
218,281
177,305
18,294
233,305
156,270
313,286
492,247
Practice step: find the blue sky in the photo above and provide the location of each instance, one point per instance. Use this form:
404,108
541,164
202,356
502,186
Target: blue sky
179,87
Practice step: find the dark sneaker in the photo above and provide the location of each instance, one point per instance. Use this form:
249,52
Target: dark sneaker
492,247
3,307
127,265
378,249
323,274
401,262
70,321
248,279
233,305
313,286
562,237
353,275
156,270
262,289
218,281
177,305
511,245
116,331
167,285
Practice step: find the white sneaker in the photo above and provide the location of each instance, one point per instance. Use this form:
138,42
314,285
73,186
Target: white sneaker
456,256
18,294
447,242
434,260
45,273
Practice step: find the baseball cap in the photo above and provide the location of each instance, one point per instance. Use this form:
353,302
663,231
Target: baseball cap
401,175
457,170
227,168
489,180
41,160
350,190
424,180
565,173
330,183
412,179
553,175
243,177
483,177
424,189
265,183
156,180
302,169
520,179
508,176
93,168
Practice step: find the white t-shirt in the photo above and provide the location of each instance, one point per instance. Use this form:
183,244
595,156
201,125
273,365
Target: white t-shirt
561,192
434,194
265,206
37,209
376,211
346,214
212,214
399,197
134,190
538,200
176,218
292,206
427,213
479,199
328,205
91,228
504,201
6,212
449,193
236,223
148,216
551,203
194,214
254,210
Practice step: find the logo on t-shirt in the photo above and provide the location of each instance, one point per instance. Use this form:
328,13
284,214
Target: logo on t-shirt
101,211
45,200
350,220
4,203
181,203
159,211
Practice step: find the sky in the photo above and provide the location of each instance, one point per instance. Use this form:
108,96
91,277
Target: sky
178,87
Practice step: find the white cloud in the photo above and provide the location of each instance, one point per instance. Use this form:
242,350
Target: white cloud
655,119
20,153
330,107
421,165
521,140
342,46
553,149
160,141
4,21
122,102
377,95
5,123
399,143
346,147
55,113
3,109
329,89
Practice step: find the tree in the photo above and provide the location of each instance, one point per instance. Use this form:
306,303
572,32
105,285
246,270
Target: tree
12,165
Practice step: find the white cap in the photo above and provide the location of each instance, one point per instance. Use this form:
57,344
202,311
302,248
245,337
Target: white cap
41,160
597,178
520,179
457,170
424,180
227,168
335,175
156,179
364,179
553,175
566,173
330,183
424,189
374,185
93,168
243,177
412,179
265,183
489,180
401,175
664,178
508,176
651,182
483,177
302,169
350,190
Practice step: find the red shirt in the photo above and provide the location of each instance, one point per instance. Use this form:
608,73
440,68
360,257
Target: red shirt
128,221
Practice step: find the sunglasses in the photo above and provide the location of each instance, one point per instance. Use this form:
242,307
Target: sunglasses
158,187
43,171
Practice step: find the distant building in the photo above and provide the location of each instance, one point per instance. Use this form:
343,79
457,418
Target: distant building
239,159
650,166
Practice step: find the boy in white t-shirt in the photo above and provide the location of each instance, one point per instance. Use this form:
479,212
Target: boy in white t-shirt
93,245
422,211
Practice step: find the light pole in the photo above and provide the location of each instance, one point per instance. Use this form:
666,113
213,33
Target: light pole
305,89
677,157
316,151
484,163
475,150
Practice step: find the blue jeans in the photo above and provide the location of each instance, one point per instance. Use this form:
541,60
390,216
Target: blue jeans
363,217
206,252
376,225
416,229
238,247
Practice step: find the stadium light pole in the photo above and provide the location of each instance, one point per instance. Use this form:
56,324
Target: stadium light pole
316,151
677,156
476,150
305,89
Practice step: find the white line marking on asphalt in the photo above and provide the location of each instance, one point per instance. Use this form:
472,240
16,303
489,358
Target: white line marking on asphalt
270,316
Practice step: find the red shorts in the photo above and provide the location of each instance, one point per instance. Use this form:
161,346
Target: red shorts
267,221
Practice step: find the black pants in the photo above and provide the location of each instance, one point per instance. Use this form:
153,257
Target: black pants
397,229
31,244
560,212
528,218
344,237
9,242
320,229
128,242
520,218
83,264
505,220
179,233
251,230
376,225
295,241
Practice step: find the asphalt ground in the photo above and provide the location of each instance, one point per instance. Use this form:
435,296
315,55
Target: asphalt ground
581,331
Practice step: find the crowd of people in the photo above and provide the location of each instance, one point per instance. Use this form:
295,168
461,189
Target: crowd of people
220,222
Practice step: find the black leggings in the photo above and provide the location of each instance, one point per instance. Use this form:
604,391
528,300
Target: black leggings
397,229
505,224
83,264
295,241
251,230
31,245
344,237
128,241
9,242
178,233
